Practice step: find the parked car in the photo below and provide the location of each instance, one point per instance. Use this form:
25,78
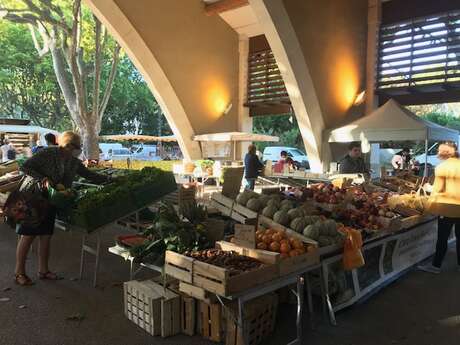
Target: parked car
119,154
106,147
146,153
273,153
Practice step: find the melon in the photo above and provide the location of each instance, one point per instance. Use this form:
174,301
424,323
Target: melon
298,224
324,241
286,207
294,213
281,217
273,202
287,203
311,231
243,198
264,199
254,204
330,227
269,211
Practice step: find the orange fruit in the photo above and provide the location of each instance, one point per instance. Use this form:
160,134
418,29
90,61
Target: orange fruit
277,237
259,232
275,246
293,253
301,250
297,244
285,248
261,245
269,232
281,233
285,242
267,239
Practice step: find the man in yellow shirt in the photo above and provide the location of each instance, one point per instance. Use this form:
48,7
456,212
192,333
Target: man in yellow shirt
445,202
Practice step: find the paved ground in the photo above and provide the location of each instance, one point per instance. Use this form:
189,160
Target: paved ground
419,309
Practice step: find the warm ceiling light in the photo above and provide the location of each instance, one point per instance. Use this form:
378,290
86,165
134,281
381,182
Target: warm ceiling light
360,98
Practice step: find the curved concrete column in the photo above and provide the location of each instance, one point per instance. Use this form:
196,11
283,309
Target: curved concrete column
283,41
189,61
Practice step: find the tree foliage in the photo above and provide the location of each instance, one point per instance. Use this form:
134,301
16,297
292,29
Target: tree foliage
283,126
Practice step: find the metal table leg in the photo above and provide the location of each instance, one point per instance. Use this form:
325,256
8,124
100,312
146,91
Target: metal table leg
299,321
82,258
309,300
98,253
327,304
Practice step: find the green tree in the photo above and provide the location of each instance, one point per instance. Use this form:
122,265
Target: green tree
283,126
28,88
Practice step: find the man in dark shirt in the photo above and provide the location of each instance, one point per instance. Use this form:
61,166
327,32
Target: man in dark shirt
353,162
252,167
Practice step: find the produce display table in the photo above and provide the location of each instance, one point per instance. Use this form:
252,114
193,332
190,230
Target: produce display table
386,258
299,277
124,253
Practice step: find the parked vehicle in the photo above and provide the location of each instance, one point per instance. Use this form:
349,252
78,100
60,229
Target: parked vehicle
119,154
146,153
106,147
273,153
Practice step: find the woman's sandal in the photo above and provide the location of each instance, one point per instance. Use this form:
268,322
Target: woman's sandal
23,280
48,276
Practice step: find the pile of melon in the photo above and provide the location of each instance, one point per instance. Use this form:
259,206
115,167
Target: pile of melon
278,241
268,205
325,232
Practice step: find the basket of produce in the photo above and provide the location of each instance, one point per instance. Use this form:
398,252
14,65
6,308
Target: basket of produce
221,272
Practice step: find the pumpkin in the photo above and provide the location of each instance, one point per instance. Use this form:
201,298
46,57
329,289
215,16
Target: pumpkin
254,205
281,217
294,213
269,211
243,198
298,224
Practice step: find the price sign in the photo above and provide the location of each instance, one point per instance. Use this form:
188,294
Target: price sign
245,235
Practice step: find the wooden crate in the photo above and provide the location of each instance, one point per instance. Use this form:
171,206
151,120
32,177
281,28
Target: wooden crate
210,321
213,278
259,319
196,292
188,314
391,224
152,307
266,222
8,167
228,207
285,266
179,266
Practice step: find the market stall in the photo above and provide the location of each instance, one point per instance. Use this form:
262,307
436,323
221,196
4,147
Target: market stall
223,145
392,122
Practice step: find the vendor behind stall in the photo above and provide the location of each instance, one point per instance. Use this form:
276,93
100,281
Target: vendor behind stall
55,167
353,162
252,167
401,160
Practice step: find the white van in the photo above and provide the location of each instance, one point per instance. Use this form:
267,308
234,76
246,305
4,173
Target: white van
273,153
107,150
146,153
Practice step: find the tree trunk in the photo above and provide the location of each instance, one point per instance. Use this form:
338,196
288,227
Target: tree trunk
90,138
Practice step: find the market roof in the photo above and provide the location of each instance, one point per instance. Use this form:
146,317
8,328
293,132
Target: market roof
26,129
137,137
392,122
235,136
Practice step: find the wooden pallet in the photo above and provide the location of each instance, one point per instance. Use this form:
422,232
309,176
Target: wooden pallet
152,307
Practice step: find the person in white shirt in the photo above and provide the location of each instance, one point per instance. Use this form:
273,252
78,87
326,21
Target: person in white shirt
7,146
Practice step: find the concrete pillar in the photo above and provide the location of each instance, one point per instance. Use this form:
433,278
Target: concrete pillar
374,19
244,120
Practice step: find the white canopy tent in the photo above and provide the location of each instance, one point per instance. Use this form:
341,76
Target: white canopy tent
139,138
26,129
392,122
235,137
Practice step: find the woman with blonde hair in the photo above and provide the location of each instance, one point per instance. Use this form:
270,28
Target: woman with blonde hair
445,202
52,166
